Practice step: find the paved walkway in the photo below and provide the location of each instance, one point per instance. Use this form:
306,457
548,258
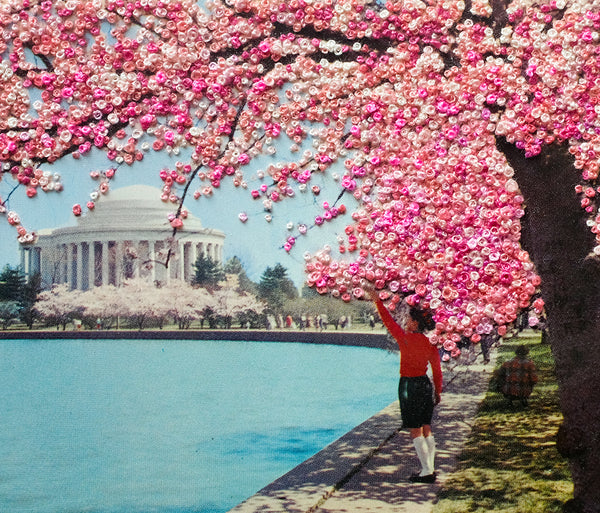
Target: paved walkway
367,469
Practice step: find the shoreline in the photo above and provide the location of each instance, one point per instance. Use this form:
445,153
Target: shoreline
368,468
341,338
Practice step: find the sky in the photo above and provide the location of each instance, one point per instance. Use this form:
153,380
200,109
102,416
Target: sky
256,242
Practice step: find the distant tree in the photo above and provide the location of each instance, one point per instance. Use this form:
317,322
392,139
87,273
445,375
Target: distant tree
186,302
32,288
208,273
12,284
251,319
207,314
229,303
142,302
59,306
234,266
275,287
312,303
9,313
309,292
103,305
14,287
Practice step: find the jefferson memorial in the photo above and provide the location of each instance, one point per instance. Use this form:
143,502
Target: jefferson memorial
127,235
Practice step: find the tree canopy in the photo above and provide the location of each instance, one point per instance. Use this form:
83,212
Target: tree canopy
12,284
207,272
18,292
405,98
234,266
444,122
275,287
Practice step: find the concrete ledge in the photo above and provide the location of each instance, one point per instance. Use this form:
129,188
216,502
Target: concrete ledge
367,469
344,338
309,484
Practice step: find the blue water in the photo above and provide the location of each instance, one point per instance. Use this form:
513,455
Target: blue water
172,426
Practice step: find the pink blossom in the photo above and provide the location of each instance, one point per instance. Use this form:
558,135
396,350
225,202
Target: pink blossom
436,210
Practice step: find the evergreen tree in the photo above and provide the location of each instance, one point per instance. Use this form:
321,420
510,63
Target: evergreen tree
29,297
309,292
9,312
208,273
234,266
275,287
12,284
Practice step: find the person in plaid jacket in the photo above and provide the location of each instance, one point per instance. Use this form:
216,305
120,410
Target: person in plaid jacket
517,377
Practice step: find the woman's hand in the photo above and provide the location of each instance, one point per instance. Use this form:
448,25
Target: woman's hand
438,398
371,293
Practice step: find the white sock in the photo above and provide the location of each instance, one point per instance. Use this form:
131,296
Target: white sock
431,448
423,454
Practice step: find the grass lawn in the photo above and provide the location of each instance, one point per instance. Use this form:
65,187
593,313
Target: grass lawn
510,463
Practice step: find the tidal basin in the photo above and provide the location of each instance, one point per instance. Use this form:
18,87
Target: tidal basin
167,426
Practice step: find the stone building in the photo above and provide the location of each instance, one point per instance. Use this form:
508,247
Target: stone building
127,235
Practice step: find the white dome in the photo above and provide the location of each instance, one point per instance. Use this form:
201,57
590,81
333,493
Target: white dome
127,228
132,192
137,207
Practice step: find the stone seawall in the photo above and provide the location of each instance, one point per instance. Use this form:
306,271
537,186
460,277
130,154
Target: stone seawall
343,338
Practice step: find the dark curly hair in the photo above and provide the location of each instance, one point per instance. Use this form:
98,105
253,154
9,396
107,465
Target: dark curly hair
424,318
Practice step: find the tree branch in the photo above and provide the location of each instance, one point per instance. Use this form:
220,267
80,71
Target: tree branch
195,172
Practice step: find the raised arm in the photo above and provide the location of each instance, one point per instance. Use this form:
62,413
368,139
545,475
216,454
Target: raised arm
393,327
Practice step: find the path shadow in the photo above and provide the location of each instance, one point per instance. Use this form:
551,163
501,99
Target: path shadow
367,469
383,483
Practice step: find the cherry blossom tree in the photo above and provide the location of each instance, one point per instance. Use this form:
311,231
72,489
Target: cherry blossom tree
59,305
103,304
464,136
228,302
139,302
142,302
185,302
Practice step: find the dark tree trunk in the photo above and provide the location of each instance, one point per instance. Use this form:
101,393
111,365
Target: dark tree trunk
560,244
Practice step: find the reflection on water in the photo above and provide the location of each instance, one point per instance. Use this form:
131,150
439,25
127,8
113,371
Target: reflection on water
288,443
172,426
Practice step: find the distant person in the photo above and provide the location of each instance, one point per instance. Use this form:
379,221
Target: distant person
343,321
416,395
487,341
517,377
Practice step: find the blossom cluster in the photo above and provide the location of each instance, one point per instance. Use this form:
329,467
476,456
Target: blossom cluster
141,301
402,100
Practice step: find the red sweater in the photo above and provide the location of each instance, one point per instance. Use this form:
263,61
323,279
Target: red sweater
415,350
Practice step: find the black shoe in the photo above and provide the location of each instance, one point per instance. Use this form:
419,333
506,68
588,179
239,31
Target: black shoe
416,478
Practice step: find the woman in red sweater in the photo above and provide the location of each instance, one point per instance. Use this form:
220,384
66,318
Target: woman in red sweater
415,392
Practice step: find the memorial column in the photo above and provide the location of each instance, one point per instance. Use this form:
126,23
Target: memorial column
105,263
91,264
79,265
119,245
137,262
152,255
69,277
